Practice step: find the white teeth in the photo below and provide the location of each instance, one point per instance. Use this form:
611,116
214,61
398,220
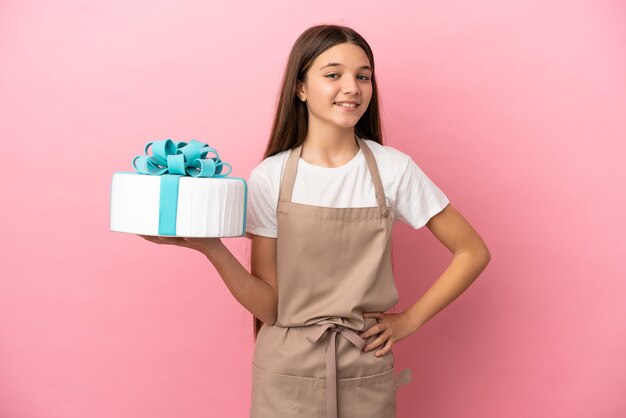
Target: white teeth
346,104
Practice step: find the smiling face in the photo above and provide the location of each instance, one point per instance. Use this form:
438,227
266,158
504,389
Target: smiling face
346,80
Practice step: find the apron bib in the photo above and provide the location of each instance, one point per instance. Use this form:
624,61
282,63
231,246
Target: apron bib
333,264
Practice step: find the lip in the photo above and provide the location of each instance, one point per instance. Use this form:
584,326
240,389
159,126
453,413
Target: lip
347,109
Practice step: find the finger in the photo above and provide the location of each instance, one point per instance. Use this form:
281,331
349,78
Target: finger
385,349
173,240
380,340
150,238
365,334
374,329
377,343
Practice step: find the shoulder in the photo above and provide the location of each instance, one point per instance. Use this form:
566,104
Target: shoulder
271,168
391,159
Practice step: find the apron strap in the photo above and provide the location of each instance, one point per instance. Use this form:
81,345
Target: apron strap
289,175
313,336
403,378
378,184
291,168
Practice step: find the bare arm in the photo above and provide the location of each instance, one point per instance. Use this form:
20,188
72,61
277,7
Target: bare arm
257,292
471,256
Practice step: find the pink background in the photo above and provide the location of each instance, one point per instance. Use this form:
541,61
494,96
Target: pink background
515,109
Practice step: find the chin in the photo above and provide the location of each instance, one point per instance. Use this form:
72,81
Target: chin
349,123
345,125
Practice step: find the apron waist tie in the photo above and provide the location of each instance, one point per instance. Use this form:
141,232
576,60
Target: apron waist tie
331,359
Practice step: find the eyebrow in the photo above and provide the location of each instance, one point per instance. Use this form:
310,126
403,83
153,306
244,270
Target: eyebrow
336,64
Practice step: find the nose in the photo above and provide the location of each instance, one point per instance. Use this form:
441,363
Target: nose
350,87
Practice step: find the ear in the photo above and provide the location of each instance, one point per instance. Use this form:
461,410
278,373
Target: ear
300,91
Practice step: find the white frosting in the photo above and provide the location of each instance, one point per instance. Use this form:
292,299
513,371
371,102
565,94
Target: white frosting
207,207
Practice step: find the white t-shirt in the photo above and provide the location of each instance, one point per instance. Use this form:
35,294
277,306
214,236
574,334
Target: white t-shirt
414,198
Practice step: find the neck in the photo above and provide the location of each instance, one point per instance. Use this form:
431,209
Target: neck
329,148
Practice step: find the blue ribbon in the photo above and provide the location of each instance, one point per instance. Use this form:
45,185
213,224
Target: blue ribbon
180,158
173,159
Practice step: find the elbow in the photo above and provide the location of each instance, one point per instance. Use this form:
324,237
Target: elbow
272,321
484,256
269,316
482,253
269,320
273,318
479,255
274,313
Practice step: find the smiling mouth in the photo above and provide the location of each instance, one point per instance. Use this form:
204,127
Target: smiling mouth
347,105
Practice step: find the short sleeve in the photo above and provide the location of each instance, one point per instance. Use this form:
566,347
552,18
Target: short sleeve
418,199
261,211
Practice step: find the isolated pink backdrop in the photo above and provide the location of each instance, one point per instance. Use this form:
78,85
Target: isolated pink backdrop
515,109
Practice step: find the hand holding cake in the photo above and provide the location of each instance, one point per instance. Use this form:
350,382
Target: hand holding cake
203,245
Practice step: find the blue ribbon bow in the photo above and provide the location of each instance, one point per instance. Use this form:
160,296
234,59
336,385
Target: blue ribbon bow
171,160
180,158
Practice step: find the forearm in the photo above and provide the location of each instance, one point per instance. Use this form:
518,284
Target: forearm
460,274
256,295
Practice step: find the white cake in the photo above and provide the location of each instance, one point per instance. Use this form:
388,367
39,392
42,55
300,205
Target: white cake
204,207
180,190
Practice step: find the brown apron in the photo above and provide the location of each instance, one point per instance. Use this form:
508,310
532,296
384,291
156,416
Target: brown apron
333,264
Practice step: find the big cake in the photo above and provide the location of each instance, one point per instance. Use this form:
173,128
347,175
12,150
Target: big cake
177,191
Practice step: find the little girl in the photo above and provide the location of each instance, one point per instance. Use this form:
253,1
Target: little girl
321,208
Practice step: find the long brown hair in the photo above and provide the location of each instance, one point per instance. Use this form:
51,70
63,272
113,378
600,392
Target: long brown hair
290,124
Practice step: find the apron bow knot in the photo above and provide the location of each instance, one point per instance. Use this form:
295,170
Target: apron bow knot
331,358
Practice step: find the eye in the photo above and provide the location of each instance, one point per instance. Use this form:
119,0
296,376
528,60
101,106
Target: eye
364,76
